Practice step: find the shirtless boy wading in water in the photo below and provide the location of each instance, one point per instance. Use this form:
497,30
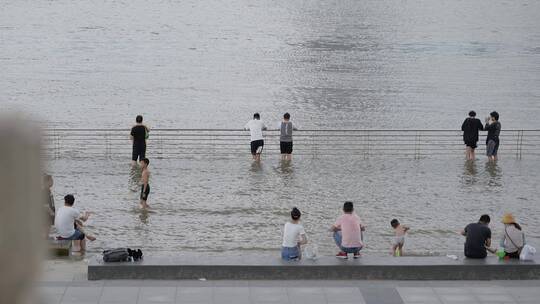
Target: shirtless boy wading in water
145,186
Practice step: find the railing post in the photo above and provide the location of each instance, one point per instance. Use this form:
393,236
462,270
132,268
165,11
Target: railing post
368,143
106,144
160,146
416,145
57,146
521,144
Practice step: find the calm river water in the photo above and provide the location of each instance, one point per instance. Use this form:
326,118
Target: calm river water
371,64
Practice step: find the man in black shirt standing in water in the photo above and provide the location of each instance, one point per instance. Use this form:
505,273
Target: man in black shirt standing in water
470,128
139,134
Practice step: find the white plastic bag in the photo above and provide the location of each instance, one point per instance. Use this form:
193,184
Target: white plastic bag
311,252
527,253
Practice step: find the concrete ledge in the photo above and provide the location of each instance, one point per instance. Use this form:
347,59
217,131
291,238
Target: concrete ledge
258,267
59,247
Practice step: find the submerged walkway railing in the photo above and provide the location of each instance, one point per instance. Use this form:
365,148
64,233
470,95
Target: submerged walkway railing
179,143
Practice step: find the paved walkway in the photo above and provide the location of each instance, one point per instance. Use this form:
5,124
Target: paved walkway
65,282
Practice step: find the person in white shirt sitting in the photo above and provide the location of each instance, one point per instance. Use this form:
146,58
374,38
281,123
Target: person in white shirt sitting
66,224
255,127
294,236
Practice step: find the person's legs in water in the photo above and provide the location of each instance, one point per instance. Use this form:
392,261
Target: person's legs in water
496,151
142,152
258,152
253,147
144,197
134,156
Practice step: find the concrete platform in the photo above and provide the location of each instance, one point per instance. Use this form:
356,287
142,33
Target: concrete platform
59,247
259,267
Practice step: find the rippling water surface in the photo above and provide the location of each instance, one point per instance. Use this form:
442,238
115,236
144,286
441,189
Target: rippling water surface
371,64
347,63
217,205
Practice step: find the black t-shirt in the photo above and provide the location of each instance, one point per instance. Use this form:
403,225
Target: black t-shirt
476,236
494,130
470,128
139,134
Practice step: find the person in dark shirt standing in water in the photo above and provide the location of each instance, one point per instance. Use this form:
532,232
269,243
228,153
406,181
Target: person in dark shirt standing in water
493,126
478,238
286,128
139,134
470,128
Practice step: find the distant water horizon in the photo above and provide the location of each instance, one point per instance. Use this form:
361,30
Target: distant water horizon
331,64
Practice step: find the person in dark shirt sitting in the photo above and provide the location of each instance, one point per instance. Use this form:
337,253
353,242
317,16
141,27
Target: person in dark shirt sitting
478,238
139,134
470,128
493,126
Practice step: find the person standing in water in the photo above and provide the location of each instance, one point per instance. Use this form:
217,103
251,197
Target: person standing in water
470,128
255,127
285,139
139,134
145,186
493,126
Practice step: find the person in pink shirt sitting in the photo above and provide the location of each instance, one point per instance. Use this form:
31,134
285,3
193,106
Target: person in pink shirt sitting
348,232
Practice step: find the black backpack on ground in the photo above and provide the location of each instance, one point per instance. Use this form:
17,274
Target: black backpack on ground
122,255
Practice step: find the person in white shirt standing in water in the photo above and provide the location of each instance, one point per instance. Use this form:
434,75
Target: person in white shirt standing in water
255,127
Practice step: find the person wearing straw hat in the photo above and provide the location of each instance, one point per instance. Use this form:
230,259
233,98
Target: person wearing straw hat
513,238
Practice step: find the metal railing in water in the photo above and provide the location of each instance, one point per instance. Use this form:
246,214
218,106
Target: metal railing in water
178,143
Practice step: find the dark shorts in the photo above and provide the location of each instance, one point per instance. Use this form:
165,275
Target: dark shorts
513,255
471,144
139,152
492,147
255,145
78,235
285,147
144,194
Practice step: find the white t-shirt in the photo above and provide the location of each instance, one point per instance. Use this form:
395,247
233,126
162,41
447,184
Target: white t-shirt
255,127
64,221
291,234
516,236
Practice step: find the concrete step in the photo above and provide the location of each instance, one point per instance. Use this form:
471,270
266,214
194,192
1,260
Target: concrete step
259,267
59,247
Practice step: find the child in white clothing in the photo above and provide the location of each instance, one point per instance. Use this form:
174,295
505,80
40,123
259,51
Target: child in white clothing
399,238
294,236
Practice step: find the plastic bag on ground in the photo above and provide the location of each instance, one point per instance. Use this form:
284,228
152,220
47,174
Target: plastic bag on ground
527,253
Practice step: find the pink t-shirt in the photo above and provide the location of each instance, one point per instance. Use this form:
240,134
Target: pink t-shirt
350,230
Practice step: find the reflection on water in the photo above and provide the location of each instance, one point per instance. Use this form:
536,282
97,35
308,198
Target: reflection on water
234,205
495,173
256,167
143,216
470,172
286,167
